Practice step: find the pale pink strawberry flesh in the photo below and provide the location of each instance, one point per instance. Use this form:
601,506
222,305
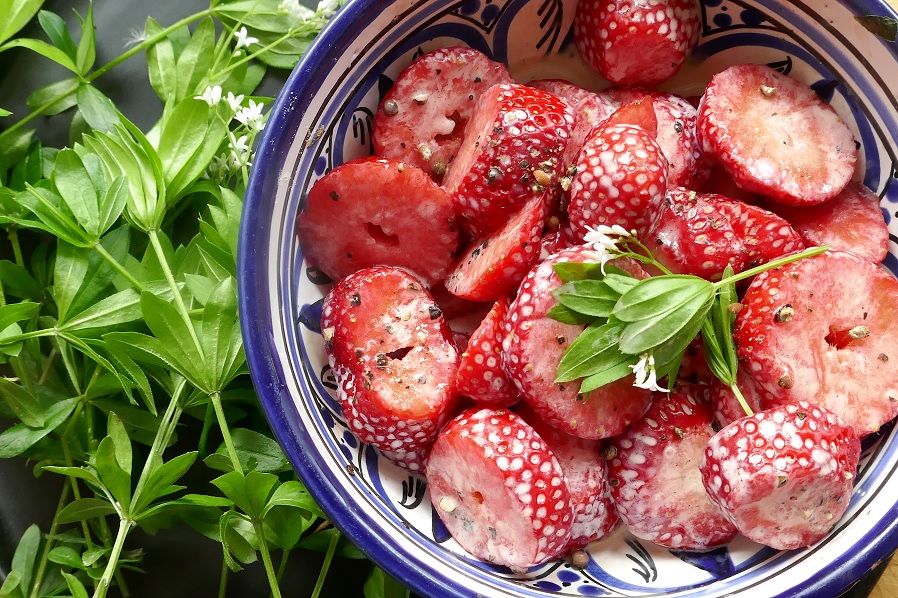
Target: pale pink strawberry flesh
806,352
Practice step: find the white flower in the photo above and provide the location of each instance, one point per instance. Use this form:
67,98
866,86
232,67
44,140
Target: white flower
235,102
251,116
646,376
327,8
238,144
295,10
243,39
211,96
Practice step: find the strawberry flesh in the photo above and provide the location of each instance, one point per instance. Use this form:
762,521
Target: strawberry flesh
480,374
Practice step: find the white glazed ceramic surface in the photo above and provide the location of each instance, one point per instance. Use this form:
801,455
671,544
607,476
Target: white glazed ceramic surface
323,118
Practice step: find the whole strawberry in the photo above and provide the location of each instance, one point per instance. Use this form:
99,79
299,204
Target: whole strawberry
783,476
499,489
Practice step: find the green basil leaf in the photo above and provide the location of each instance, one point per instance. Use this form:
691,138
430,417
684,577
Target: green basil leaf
571,271
56,30
97,109
16,312
24,558
161,479
566,315
85,508
19,438
176,341
86,54
881,26
161,62
54,216
195,61
189,140
137,375
66,555
81,473
259,488
256,452
588,297
112,477
22,403
621,283
116,309
283,527
658,295
645,334
44,49
591,351
18,282
75,586
15,14
221,333
294,495
233,486
234,544
612,372
75,186
54,98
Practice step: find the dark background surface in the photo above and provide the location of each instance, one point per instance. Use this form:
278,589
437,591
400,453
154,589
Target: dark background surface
178,563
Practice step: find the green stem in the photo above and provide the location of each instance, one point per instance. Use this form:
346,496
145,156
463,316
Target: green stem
163,435
124,527
16,246
48,545
120,268
285,554
215,397
328,559
742,402
788,259
266,559
179,300
223,579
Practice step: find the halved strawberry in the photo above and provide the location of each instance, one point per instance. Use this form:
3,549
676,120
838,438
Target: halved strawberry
422,118
393,356
374,211
621,179
654,475
480,374
765,235
532,348
775,136
585,475
493,267
851,222
632,42
499,490
783,476
690,236
511,154
823,330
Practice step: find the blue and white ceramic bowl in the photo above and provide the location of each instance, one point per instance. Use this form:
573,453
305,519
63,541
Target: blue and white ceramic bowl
323,118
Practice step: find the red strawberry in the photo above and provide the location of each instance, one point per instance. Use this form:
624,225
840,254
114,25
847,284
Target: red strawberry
633,42
676,118
775,136
480,374
690,236
494,266
372,211
823,329
556,240
621,179
590,109
852,222
765,235
654,475
638,111
783,476
393,356
499,490
585,476
511,154
533,346
422,119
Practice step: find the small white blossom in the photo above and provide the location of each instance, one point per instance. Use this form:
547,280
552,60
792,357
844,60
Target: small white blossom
235,102
211,96
646,376
295,10
251,116
238,144
244,40
327,8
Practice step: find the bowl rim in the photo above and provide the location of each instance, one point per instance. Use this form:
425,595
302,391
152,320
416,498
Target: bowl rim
275,141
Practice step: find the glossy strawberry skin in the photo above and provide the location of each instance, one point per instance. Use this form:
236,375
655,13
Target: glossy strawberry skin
422,118
393,357
655,481
499,489
852,222
636,43
783,476
511,154
533,345
372,211
480,374
775,136
765,235
621,179
822,330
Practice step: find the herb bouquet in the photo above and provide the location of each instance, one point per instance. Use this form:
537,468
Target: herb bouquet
122,373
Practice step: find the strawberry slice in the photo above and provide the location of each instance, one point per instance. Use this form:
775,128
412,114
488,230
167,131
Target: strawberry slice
823,330
676,134
494,266
775,136
639,111
372,211
585,475
765,235
422,118
499,490
655,481
393,357
511,154
851,222
480,374
633,42
689,235
532,349
621,179
783,476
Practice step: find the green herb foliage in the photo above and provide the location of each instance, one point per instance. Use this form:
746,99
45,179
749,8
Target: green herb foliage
118,304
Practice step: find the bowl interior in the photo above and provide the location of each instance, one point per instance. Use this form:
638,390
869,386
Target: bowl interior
323,118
